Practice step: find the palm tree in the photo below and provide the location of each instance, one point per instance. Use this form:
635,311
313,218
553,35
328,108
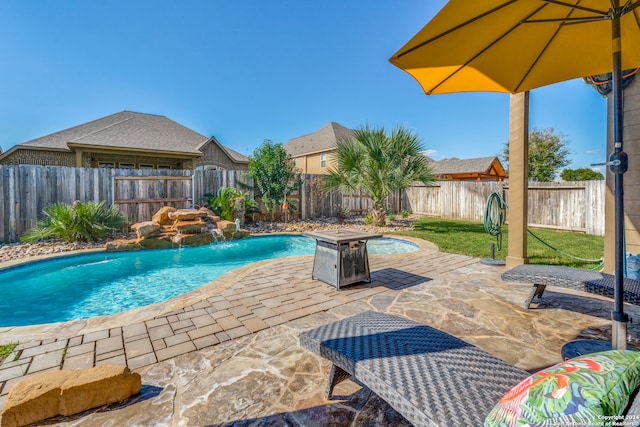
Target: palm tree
378,164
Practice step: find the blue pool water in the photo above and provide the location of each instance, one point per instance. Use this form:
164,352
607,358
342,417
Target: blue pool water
77,287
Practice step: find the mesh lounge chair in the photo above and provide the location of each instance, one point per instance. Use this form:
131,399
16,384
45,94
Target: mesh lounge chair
573,278
428,376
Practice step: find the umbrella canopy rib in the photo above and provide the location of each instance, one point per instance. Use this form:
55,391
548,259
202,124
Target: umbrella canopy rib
453,29
563,21
546,46
577,6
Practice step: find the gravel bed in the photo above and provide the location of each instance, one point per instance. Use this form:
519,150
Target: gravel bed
14,251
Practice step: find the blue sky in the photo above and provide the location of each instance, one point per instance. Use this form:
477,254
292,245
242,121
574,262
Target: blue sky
249,70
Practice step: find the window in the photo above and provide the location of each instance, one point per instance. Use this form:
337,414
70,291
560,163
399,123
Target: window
145,166
164,167
109,165
126,165
323,160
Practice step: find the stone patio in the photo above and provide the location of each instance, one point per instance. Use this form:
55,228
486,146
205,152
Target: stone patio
227,353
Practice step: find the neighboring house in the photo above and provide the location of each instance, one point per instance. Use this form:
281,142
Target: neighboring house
312,152
126,140
479,169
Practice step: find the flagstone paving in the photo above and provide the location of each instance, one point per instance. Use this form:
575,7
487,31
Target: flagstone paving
228,352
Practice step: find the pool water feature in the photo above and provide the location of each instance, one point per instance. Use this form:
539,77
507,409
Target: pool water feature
99,284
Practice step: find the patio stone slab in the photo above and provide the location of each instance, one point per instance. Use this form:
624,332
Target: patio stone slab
228,353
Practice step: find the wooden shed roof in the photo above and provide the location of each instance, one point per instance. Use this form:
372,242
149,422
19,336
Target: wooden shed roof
481,166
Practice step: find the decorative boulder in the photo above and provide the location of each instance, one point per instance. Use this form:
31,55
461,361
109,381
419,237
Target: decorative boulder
192,240
122,245
146,229
190,227
162,216
241,234
178,227
67,392
160,242
208,211
228,226
186,215
211,216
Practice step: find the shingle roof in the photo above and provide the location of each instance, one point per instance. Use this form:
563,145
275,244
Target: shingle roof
125,130
457,166
323,139
235,156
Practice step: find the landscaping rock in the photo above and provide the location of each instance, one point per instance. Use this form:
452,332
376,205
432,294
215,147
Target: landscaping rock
192,240
159,242
146,229
122,245
211,216
34,399
186,215
228,228
162,216
67,392
241,234
97,386
190,227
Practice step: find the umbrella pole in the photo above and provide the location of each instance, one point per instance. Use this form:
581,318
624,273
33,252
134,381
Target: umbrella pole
618,166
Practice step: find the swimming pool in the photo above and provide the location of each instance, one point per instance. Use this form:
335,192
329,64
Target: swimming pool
99,284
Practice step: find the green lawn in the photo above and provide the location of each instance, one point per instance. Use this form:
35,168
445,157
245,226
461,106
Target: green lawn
470,238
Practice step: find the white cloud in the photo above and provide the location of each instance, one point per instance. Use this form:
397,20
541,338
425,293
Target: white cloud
430,153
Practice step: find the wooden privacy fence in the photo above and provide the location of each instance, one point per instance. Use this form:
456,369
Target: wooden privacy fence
316,202
26,190
139,197
574,206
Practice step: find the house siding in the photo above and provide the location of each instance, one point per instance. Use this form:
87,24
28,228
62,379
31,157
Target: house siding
40,158
312,163
214,156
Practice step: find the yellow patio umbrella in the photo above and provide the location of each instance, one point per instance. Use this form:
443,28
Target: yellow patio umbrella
517,45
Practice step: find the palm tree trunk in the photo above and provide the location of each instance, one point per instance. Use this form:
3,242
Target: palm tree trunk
379,216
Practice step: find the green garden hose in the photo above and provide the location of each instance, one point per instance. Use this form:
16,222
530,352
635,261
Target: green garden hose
494,215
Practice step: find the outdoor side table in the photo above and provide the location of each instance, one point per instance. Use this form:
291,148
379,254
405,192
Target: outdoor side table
341,256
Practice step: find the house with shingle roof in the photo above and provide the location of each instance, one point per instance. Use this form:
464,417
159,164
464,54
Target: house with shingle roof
312,152
126,140
478,169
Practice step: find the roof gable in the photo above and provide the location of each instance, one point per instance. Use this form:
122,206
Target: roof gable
323,139
126,130
233,155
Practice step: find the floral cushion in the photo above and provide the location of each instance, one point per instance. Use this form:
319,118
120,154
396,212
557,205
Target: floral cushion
588,390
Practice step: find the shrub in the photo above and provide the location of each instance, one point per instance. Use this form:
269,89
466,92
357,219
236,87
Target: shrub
80,222
343,213
405,213
225,203
368,219
251,207
228,201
